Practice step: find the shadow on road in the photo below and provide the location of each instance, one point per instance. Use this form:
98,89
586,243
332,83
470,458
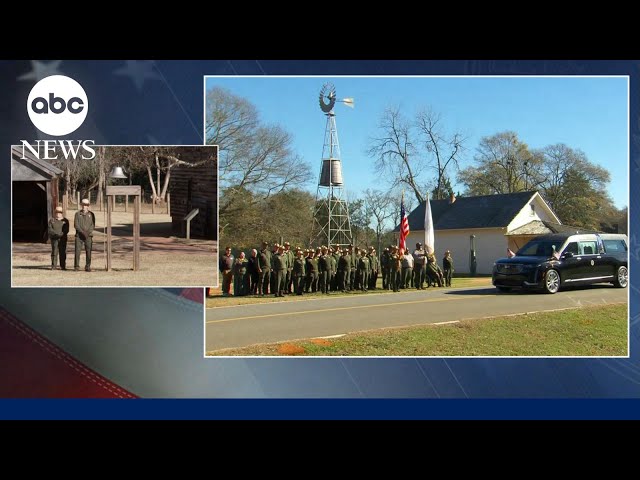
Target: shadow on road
475,291
495,291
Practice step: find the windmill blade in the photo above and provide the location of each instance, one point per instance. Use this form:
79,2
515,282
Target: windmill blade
349,102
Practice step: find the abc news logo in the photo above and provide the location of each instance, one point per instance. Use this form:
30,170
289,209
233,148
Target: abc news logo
40,104
58,105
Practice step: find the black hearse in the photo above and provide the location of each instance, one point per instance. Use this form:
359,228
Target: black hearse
550,262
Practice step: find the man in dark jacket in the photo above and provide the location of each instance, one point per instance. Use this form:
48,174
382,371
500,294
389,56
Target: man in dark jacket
58,229
264,270
225,265
84,223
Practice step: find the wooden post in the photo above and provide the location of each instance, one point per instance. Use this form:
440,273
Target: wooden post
169,203
78,194
153,204
134,190
126,202
108,234
65,204
136,233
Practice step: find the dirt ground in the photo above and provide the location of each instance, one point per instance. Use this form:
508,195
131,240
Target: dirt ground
165,260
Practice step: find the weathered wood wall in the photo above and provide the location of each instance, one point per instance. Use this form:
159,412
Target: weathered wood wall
195,187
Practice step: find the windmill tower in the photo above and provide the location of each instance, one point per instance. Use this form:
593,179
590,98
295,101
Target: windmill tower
331,223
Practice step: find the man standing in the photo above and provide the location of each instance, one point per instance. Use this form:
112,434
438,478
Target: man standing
280,266
447,265
290,257
84,223
58,230
225,265
298,273
419,264
407,270
264,270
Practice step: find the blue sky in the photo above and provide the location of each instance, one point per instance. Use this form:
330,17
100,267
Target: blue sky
590,114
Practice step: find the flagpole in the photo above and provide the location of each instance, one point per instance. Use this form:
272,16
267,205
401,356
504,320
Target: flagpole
400,223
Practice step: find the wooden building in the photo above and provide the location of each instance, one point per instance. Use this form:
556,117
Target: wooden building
35,195
195,185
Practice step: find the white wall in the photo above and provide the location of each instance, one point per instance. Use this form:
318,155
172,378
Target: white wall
491,244
526,215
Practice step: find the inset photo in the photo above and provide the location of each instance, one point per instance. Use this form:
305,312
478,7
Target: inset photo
114,216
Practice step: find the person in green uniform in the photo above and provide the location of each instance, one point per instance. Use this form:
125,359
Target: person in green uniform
240,277
225,266
363,271
347,270
343,268
354,268
447,266
433,271
84,223
395,260
373,273
264,269
298,273
280,265
58,228
288,282
385,265
323,270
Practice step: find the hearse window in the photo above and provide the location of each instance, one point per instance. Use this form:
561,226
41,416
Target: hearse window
587,248
537,249
613,246
572,247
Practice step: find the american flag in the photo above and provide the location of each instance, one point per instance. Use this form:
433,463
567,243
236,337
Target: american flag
404,226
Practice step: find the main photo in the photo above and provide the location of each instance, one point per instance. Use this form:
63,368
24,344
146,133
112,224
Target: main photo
420,216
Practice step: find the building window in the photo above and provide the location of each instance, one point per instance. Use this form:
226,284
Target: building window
532,213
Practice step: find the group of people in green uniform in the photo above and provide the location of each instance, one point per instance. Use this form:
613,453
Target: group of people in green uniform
84,223
280,270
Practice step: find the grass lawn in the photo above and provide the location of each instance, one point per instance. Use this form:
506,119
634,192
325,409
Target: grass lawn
217,300
587,331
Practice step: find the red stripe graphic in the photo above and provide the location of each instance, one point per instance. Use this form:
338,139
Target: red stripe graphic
33,367
195,294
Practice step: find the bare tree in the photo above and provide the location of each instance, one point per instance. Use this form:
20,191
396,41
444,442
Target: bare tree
396,153
445,150
379,208
407,150
254,157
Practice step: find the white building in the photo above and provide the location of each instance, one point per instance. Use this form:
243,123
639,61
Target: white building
498,222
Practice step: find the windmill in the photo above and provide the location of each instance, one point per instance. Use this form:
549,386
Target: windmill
331,223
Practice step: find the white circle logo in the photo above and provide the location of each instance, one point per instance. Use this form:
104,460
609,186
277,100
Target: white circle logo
57,105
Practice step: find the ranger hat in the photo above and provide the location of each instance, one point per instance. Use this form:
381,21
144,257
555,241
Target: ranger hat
85,201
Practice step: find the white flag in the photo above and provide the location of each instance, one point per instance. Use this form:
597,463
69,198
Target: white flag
429,242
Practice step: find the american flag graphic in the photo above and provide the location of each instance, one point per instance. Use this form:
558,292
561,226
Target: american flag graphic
404,226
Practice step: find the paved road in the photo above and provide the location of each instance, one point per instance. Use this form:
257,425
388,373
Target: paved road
244,325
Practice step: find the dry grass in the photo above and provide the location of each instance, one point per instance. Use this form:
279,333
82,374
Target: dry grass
164,260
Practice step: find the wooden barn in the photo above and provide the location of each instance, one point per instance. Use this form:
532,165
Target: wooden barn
35,195
195,185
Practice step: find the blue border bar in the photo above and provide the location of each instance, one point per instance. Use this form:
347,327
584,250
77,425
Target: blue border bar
320,409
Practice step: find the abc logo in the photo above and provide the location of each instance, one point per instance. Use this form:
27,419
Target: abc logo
57,105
